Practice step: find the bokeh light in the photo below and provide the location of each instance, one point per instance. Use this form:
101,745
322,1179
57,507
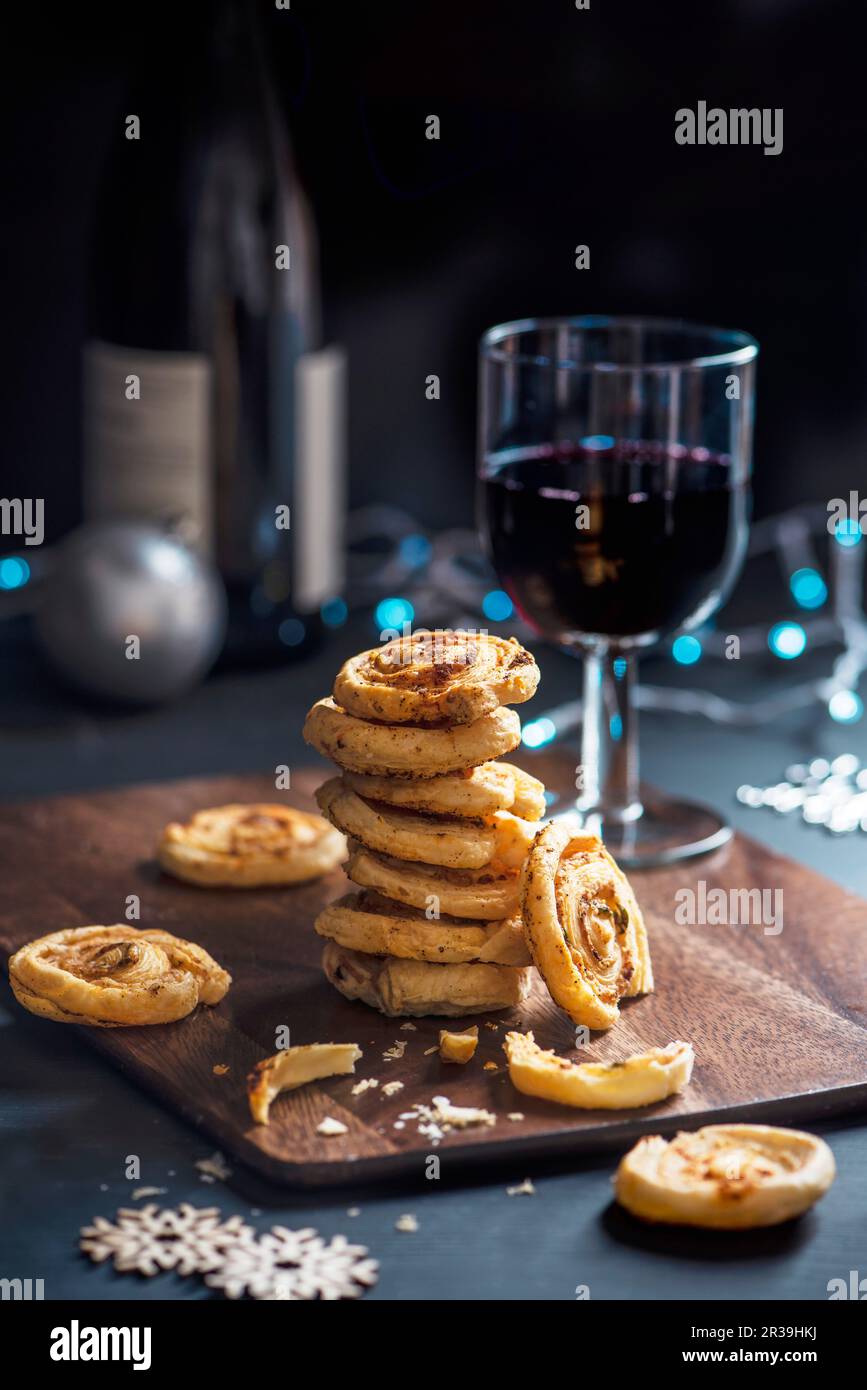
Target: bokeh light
291,632
809,589
686,650
393,613
414,550
14,572
787,640
538,732
497,606
845,706
334,612
847,533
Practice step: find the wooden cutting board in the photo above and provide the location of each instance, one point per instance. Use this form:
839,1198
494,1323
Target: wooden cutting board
778,1021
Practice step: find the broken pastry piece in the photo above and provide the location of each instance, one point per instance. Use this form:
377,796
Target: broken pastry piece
642,1079
294,1067
114,977
459,1047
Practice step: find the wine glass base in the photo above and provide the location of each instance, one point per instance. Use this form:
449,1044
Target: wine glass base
667,831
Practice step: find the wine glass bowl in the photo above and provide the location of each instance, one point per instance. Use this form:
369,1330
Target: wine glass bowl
614,465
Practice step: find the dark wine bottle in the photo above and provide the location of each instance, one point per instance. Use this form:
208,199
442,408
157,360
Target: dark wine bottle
204,313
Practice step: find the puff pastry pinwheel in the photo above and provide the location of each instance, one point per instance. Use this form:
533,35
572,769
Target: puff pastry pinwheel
639,1080
407,750
250,846
417,988
487,894
368,922
728,1177
446,841
477,792
584,928
111,977
436,677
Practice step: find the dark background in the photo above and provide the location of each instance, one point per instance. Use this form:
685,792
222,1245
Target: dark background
557,129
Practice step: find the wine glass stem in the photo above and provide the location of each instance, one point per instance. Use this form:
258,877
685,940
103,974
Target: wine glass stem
607,778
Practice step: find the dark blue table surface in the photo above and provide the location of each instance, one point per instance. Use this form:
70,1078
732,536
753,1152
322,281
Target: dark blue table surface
69,1121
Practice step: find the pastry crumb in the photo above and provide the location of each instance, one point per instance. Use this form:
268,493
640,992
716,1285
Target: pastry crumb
435,1120
429,1051
524,1189
219,1069
366,1085
330,1126
391,1088
408,1028
353,1211
458,1047
515,1115
394,1054
213,1169
139,1192
407,1222
490,1066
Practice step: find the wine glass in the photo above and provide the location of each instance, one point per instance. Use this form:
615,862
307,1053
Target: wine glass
614,465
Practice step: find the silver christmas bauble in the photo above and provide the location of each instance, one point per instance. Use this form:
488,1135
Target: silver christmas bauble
130,613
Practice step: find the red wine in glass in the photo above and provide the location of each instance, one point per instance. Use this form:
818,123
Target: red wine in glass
616,541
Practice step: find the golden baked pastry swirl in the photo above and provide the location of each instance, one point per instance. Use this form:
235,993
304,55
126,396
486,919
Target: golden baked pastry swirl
584,927
368,922
436,677
250,846
408,750
448,841
476,792
417,988
487,894
115,976
726,1177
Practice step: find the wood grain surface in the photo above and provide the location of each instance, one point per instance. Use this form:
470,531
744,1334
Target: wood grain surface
778,1022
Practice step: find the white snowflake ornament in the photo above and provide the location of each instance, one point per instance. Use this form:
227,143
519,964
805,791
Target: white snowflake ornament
290,1266
191,1240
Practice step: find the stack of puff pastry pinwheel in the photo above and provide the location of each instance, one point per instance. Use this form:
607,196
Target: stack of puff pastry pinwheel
438,830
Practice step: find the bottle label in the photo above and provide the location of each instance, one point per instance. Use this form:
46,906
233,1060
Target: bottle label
147,439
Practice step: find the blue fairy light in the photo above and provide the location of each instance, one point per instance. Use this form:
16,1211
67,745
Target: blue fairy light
497,606
14,572
809,589
414,550
787,640
686,650
845,707
847,533
334,612
393,613
291,632
538,732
